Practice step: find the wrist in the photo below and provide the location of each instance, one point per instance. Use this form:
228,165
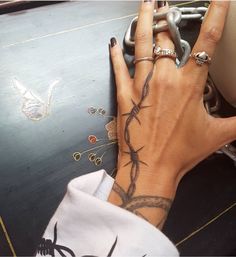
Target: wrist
156,173
152,198
147,190
160,181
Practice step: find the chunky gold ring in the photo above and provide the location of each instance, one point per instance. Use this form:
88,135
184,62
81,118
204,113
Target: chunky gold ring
201,58
158,52
150,59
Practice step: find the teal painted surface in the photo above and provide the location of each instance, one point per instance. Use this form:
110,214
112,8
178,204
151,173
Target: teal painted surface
69,42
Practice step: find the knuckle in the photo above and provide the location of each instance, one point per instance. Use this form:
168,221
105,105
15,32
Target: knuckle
135,91
121,96
143,37
116,63
145,10
114,53
124,90
164,81
116,66
187,80
212,34
193,90
221,4
113,57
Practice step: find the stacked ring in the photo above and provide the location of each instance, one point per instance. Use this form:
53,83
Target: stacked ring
159,52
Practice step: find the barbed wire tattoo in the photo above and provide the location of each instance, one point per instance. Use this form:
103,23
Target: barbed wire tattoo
134,154
129,201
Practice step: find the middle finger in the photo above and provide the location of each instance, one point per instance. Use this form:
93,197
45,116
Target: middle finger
163,39
144,41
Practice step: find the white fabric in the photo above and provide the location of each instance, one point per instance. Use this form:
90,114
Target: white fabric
89,225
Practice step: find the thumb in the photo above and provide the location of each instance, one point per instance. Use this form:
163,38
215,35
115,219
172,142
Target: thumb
121,72
227,129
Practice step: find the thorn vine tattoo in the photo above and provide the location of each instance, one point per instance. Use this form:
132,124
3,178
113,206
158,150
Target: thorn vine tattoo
129,201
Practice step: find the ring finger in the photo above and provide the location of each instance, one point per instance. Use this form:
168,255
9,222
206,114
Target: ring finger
209,36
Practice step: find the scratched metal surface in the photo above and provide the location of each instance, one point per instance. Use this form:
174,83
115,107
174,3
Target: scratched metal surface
69,42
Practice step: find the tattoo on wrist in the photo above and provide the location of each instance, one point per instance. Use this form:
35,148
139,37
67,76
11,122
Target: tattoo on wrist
133,204
145,201
129,201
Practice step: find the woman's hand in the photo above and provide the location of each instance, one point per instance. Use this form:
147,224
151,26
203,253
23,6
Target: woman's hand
163,127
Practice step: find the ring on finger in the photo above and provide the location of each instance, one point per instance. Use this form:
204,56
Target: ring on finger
150,59
159,52
201,58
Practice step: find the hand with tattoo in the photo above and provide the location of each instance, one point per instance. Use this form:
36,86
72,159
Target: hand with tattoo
163,127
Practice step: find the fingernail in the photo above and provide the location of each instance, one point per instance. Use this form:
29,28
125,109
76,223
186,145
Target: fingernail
146,1
113,41
161,3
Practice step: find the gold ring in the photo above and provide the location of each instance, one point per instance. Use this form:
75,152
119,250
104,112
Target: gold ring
150,59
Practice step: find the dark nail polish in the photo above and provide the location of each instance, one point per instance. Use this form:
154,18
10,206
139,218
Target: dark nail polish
146,1
161,3
113,41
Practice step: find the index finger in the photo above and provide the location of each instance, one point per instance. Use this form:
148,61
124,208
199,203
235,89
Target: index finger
210,34
144,41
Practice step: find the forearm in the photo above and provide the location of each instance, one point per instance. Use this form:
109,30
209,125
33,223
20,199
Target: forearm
153,196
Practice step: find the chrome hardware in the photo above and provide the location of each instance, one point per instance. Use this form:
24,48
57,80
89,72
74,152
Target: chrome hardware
173,16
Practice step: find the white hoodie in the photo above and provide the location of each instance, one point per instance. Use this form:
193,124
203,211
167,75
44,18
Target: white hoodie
85,224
